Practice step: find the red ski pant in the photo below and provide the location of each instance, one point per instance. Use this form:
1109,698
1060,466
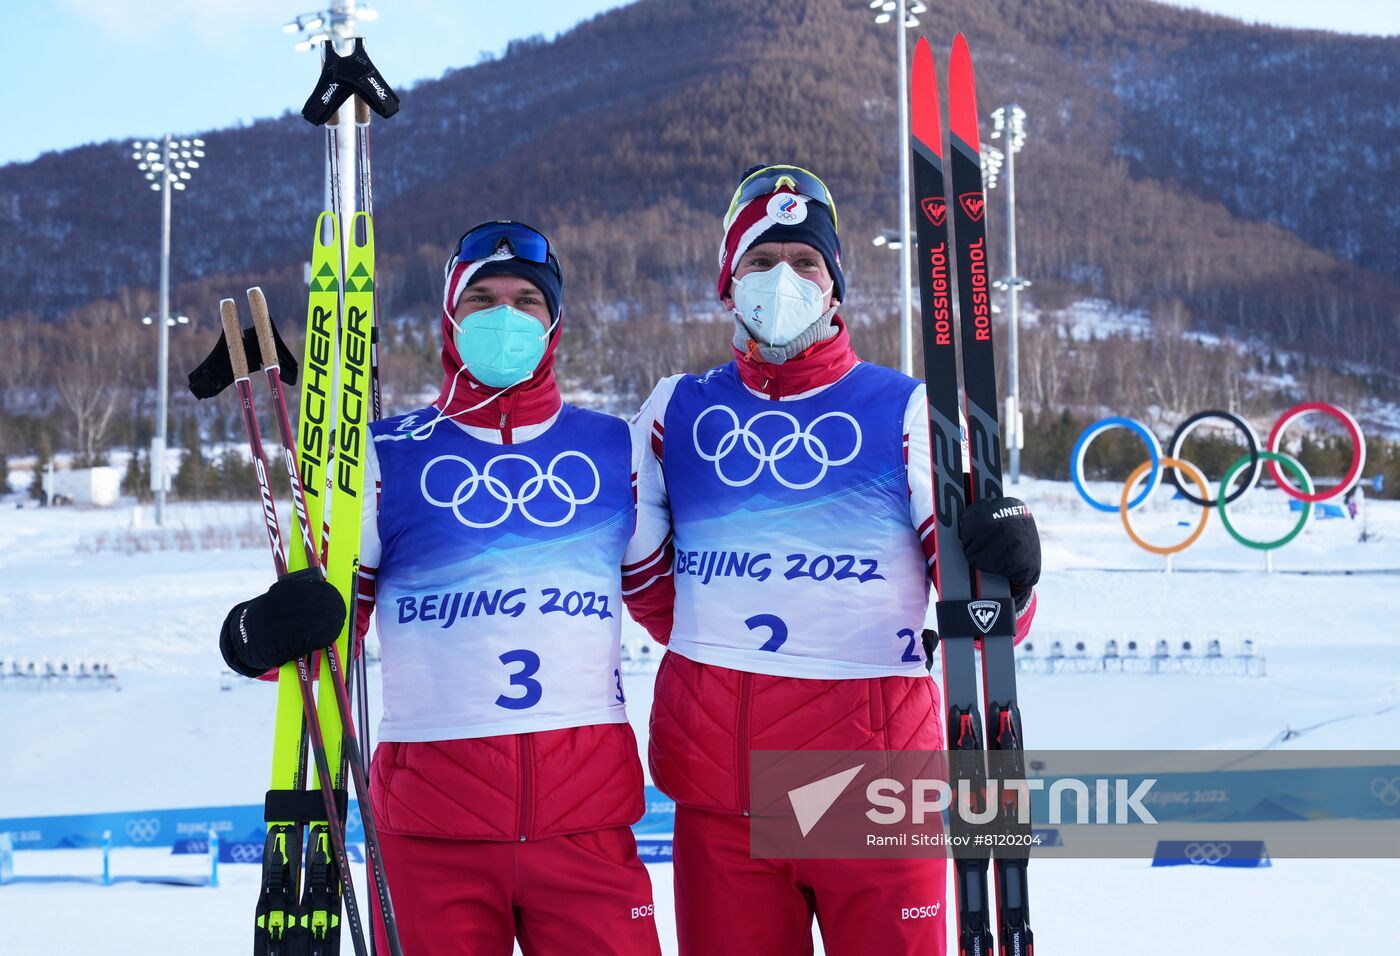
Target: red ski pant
584,894
729,903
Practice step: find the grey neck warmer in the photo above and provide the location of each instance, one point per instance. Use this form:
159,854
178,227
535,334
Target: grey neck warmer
818,331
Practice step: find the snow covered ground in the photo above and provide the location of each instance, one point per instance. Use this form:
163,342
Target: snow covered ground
90,585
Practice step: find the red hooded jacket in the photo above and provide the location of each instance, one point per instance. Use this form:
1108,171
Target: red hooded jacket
514,786
707,719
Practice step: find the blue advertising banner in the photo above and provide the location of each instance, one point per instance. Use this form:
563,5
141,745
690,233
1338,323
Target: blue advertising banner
1232,853
654,851
233,824
1233,796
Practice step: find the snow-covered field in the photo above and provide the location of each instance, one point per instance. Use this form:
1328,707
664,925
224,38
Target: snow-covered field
88,585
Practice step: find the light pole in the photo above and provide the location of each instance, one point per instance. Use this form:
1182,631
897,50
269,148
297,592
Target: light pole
170,168
1009,123
906,17
336,24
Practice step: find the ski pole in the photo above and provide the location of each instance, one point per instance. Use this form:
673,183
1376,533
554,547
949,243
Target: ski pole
366,183
358,679
366,193
262,322
233,333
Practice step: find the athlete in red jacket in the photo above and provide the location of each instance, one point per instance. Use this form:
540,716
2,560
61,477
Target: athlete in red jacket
507,776
789,583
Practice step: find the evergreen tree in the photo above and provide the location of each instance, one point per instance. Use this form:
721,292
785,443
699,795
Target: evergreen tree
41,467
236,476
137,480
196,478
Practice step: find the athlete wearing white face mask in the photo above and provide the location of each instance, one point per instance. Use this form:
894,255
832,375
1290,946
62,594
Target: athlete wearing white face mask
796,480
780,308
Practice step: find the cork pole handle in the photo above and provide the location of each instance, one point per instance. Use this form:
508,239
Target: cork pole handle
262,322
233,335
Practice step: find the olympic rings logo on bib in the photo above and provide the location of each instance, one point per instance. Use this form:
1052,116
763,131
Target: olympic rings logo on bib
740,455
1172,466
498,494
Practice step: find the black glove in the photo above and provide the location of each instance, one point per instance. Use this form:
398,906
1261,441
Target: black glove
299,614
999,537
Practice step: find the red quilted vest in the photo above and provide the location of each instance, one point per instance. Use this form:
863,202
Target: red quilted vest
511,787
706,719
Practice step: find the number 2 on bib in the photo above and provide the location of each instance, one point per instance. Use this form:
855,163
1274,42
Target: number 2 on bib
777,627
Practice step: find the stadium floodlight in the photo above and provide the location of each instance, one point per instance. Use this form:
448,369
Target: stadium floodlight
166,167
889,239
336,23
992,161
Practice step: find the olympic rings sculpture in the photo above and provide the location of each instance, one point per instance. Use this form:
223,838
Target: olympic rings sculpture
1258,457
743,436
511,500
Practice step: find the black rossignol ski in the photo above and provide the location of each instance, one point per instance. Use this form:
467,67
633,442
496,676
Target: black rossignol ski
971,606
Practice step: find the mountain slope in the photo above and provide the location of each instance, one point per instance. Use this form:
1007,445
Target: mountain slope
1174,156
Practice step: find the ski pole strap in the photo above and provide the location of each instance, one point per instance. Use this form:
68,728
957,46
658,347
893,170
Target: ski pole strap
986,617
301,806
215,373
343,76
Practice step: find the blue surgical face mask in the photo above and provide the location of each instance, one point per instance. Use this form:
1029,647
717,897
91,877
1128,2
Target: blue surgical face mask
501,346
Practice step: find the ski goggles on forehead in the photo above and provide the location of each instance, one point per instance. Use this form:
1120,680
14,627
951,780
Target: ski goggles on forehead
487,240
770,179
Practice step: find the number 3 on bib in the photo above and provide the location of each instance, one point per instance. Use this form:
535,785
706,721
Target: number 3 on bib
529,663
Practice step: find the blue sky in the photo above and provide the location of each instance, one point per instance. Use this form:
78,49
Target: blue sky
105,69
115,69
